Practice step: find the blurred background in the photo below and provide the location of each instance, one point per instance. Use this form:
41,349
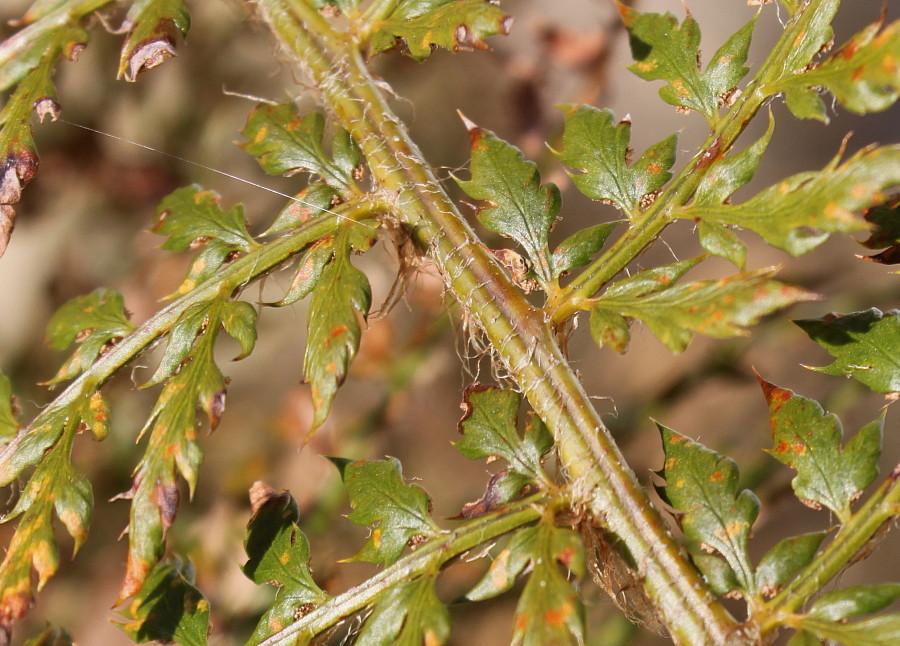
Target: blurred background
83,223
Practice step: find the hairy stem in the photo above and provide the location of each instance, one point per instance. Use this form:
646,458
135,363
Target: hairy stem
519,334
432,554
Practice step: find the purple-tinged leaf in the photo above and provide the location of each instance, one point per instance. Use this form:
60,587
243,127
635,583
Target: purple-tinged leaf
598,149
703,487
514,203
800,212
279,555
407,614
152,26
96,321
865,345
665,50
808,440
379,496
168,609
422,25
784,560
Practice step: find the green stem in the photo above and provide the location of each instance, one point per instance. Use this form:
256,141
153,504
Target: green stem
519,334
240,272
426,557
646,228
852,537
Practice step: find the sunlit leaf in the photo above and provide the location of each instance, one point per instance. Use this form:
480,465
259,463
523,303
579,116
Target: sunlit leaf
311,202
407,614
489,430
813,34
96,321
674,312
875,631
279,555
665,50
379,496
514,202
808,440
422,25
800,212
703,487
865,345
863,75
152,27
285,143
168,608
340,298
785,559
598,149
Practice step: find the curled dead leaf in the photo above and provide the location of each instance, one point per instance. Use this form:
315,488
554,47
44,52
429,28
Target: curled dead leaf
148,55
7,222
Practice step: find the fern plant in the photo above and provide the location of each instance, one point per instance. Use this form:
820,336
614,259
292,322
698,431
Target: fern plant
565,502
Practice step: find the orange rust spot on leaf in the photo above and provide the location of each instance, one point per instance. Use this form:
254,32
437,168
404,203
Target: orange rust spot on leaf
655,168
337,331
718,476
782,447
260,135
558,616
799,448
376,538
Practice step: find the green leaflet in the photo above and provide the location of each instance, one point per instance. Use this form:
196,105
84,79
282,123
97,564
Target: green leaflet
422,25
9,426
875,631
865,345
703,486
285,143
665,50
51,636
578,249
96,321
279,555
489,431
808,440
55,488
191,217
515,204
311,202
599,150
854,601
800,212
152,26
192,380
787,558
341,297
379,496
863,75
168,609
814,32
549,611
674,312
407,614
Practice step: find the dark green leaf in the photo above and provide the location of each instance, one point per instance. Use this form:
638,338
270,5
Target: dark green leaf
168,608
489,430
800,212
379,496
285,143
578,249
716,571
279,555
885,232
718,308
863,75
808,440
96,321
451,24
407,614
598,149
152,26
668,51
854,601
339,299
703,486
813,34
515,204
785,559
875,631
865,345
182,338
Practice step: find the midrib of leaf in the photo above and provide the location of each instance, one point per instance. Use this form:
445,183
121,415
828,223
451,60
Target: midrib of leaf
517,332
682,187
